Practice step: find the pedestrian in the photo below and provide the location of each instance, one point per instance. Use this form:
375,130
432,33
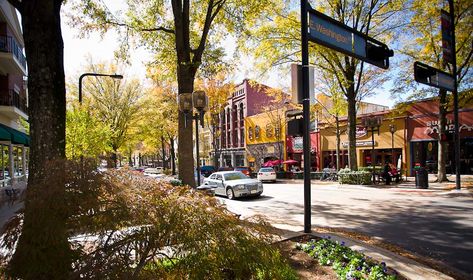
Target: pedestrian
386,173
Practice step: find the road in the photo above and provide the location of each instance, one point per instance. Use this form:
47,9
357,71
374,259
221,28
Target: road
431,223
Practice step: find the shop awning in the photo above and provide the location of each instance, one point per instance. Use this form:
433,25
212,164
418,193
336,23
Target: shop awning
16,137
4,135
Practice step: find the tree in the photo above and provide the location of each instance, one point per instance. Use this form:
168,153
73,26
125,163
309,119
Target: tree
86,136
422,42
218,92
192,32
159,125
277,42
43,251
116,103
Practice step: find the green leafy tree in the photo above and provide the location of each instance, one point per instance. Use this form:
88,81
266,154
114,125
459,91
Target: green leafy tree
184,36
86,136
159,124
422,41
218,91
115,103
277,42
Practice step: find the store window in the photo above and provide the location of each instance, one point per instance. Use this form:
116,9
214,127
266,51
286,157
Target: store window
269,130
257,131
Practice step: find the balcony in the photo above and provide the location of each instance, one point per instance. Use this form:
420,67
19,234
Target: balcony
12,104
12,59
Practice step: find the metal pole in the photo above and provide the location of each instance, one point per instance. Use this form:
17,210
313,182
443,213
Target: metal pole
392,146
372,155
80,87
306,115
455,99
196,117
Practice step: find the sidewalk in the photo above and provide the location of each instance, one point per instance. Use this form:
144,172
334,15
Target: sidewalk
408,184
404,266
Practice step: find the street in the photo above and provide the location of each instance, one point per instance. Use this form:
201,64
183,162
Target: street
431,223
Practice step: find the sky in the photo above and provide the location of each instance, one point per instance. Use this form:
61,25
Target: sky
76,51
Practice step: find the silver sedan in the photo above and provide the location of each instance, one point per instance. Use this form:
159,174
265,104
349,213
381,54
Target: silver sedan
234,184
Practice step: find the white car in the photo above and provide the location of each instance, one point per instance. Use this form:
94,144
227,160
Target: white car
153,170
266,174
233,184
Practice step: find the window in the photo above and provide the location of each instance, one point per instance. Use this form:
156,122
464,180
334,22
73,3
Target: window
250,133
277,131
257,132
269,130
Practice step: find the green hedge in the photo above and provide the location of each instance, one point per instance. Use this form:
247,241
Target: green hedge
377,168
346,176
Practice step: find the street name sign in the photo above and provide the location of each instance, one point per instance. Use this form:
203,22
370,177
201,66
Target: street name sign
434,77
335,35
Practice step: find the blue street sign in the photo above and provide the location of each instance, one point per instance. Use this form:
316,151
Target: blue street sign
335,35
433,77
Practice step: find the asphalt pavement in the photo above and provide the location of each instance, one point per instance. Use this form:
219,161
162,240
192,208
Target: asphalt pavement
435,222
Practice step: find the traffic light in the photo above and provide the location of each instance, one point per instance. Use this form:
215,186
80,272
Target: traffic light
378,54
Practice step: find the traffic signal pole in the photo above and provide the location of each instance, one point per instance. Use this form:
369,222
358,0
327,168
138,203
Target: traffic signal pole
306,114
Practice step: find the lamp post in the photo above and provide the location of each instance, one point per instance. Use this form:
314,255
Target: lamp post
199,101
113,76
392,129
373,123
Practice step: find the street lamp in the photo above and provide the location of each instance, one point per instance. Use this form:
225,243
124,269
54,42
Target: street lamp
187,102
392,129
373,123
113,76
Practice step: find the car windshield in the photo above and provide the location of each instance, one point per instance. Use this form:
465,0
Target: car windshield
266,170
241,168
234,176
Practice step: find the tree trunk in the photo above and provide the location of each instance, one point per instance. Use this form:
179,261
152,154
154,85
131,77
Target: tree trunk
185,77
173,156
351,98
442,145
352,133
338,143
43,250
163,152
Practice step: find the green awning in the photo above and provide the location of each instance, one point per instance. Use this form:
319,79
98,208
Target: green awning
4,134
16,137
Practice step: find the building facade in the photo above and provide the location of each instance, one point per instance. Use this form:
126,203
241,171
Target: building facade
247,99
265,137
422,131
389,144
13,97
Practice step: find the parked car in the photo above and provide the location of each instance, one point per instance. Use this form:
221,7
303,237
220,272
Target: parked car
234,184
154,172
266,174
206,170
224,168
244,169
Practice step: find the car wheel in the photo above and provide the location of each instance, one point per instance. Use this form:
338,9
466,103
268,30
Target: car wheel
230,193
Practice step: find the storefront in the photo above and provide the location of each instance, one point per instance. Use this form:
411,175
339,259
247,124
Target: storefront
389,143
295,150
423,134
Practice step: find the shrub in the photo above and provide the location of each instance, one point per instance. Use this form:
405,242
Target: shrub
348,264
346,176
125,225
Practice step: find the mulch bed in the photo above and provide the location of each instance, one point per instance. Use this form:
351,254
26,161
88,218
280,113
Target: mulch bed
305,266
